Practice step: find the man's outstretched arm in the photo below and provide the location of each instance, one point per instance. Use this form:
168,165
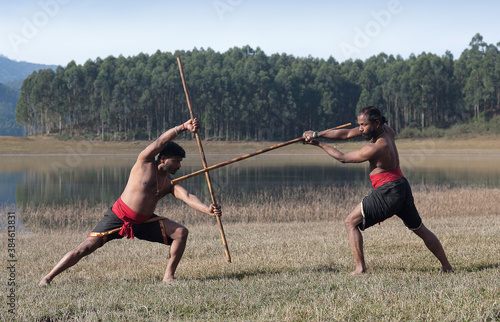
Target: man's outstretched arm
337,135
192,201
365,154
149,153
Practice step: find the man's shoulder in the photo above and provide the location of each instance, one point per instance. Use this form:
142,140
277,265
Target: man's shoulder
389,130
142,165
381,146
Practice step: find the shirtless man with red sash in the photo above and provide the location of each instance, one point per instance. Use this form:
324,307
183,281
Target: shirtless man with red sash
133,213
392,194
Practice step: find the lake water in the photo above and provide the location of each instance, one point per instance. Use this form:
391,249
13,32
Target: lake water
101,178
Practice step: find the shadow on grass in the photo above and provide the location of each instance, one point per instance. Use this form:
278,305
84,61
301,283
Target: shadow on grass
472,268
272,271
478,267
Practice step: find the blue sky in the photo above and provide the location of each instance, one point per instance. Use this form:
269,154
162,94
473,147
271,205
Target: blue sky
58,31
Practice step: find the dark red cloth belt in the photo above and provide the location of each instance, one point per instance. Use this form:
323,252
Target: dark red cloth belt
129,218
384,177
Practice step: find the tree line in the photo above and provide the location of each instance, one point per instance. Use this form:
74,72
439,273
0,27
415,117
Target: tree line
243,94
8,101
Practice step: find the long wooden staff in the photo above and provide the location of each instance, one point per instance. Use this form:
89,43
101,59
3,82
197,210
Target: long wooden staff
202,154
207,169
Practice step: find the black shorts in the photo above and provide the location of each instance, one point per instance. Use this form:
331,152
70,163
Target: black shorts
110,226
392,198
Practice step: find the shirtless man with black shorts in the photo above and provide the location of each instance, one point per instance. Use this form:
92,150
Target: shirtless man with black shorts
392,194
133,213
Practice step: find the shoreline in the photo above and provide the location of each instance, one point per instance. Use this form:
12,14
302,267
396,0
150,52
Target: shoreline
50,146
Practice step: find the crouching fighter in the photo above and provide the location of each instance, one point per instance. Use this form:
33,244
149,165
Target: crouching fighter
132,214
392,194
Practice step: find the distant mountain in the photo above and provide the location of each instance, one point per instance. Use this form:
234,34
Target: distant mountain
13,72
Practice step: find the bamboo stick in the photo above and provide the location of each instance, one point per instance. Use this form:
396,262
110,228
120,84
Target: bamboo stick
207,169
203,159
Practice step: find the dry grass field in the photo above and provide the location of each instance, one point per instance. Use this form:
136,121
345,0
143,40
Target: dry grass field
291,262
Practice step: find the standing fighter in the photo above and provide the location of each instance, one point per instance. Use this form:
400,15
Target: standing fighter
132,214
392,194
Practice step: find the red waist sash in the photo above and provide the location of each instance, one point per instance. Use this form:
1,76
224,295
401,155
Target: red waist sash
128,216
385,177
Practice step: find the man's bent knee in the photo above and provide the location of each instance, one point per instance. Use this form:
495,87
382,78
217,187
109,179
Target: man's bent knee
183,232
180,233
351,222
88,246
354,219
423,232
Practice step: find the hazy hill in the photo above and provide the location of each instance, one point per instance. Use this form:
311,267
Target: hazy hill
12,74
11,71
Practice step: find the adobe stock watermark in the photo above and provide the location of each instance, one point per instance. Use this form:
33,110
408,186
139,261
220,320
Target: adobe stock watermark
224,177
277,124
224,6
74,156
422,151
363,37
11,262
31,26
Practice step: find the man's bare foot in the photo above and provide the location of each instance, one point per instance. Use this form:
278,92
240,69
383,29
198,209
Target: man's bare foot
358,272
44,282
169,280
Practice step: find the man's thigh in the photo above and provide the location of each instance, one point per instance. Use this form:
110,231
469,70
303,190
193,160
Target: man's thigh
173,229
157,231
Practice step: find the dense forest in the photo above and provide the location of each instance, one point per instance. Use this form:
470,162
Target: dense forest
243,94
8,99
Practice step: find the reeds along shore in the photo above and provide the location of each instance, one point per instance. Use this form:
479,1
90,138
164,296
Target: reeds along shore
295,204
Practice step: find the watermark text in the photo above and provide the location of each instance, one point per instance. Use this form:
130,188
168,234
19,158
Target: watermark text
11,263
222,7
31,26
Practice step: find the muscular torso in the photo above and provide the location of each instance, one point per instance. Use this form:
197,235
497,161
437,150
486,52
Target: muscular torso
386,157
140,194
